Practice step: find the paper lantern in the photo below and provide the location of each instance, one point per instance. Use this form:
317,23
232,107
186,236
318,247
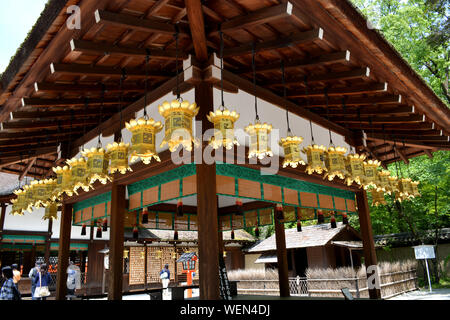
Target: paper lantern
259,140
223,121
405,188
315,158
143,139
383,182
371,173
64,181
415,188
79,173
377,198
178,124
335,163
354,163
97,165
51,212
118,154
291,148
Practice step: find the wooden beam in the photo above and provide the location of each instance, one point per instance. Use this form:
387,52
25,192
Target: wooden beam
2,219
295,39
354,101
85,88
197,26
89,47
388,119
410,143
134,23
40,114
48,241
83,69
340,91
32,151
365,111
63,251
410,137
6,161
359,73
428,153
401,154
280,239
391,127
37,102
370,256
15,125
28,167
323,60
116,241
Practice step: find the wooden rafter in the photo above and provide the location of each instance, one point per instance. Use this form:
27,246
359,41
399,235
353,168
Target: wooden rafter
340,91
28,167
366,111
197,26
378,119
85,88
354,101
37,102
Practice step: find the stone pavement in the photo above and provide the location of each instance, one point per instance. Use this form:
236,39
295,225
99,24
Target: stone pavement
424,294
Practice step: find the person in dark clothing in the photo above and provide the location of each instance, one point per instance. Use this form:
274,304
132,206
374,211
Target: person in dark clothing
32,274
165,276
9,290
42,281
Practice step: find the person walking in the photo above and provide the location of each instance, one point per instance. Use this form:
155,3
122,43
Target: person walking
42,281
32,274
73,279
9,290
16,273
165,276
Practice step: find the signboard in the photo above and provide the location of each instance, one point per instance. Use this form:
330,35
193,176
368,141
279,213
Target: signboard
424,252
225,292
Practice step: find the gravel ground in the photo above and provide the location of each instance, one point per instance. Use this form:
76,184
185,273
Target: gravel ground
424,294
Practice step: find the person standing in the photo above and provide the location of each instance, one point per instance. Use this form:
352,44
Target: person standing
16,273
73,278
32,274
42,282
9,290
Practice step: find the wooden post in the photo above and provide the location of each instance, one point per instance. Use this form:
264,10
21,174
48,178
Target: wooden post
63,251
145,264
47,242
283,277
370,257
116,242
208,247
2,220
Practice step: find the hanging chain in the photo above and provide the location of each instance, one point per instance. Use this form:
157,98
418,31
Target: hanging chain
176,61
70,134
254,79
407,165
283,79
344,108
86,105
147,58
328,115
307,106
222,106
395,156
122,78
99,142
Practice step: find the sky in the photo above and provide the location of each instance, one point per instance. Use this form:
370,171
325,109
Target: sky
17,17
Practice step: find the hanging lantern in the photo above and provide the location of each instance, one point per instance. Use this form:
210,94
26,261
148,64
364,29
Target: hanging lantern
50,185
105,224
29,198
377,198
51,212
291,148
279,214
239,206
223,121
383,182
99,232
144,215
180,208
259,140
232,234
66,185
174,255
118,153
143,139
135,232
178,124
315,157
158,254
40,192
78,169
344,218
335,163
333,221
405,188
393,184
371,173
19,204
320,217
299,226
354,163
415,188
97,165
83,229
175,235
257,232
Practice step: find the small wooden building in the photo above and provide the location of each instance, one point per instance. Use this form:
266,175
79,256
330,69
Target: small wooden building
317,246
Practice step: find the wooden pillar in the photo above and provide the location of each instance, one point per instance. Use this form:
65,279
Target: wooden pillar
145,264
116,242
63,251
370,257
175,267
47,242
2,219
208,247
283,277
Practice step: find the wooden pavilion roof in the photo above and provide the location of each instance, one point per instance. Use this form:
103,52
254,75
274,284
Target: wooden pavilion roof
58,72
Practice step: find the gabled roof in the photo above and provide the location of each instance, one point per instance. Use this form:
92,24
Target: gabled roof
164,235
407,238
310,236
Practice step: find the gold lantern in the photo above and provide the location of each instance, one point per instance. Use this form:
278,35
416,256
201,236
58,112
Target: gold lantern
118,153
50,185
259,140
377,198
51,212
415,188
78,169
383,182
97,165
393,184
405,188
354,163
371,173
291,147
335,163
18,203
39,192
29,197
223,120
143,139
64,181
315,157
178,124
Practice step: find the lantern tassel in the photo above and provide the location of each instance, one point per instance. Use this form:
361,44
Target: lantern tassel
257,232
175,235
333,222
279,214
135,232
180,208
320,218
144,216
99,232
83,230
344,218
240,209
299,226
105,225
232,234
